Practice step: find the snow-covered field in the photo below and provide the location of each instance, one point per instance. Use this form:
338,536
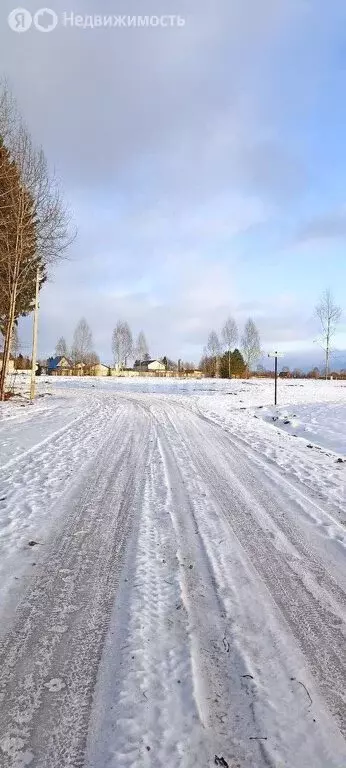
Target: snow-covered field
172,574
323,424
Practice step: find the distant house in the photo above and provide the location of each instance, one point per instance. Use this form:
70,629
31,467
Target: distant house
78,369
149,365
59,366
63,366
100,369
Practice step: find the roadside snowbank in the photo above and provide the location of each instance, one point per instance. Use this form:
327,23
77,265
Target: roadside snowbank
310,450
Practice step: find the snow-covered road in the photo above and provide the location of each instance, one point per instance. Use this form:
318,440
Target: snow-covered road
187,608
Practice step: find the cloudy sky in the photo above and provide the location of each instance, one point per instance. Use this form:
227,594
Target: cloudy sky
205,166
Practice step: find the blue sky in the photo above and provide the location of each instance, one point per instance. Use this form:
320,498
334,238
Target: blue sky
205,166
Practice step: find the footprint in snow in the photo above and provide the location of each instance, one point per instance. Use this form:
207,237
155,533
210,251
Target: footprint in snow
55,685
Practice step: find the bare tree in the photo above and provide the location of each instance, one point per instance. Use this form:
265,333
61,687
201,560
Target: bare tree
34,223
251,345
206,364
93,359
82,347
329,315
230,338
187,366
122,344
214,350
61,349
141,347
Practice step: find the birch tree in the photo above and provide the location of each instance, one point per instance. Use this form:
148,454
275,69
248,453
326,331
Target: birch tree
82,346
214,349
329,315
141,347
230,338
122,344
34,223
61,349
251,344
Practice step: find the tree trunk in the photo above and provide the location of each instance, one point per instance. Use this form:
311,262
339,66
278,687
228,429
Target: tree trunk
229,363
7,343
327,352
327,363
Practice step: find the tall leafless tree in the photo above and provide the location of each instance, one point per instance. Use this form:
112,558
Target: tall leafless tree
82,346
61,349
141,347
230,338
122,344
35,226
214,350
251,344
91,362
329,314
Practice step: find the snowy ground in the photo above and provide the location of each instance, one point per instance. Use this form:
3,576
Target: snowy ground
184,604
323,424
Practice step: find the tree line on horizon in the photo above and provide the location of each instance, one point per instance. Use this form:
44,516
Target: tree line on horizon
122,345
297,373
221,357
123,348
215,361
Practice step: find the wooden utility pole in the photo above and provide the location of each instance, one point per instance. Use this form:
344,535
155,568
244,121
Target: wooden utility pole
34,339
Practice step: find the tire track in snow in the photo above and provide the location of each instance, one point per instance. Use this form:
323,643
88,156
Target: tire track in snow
48,661
224,697
47,440
316,626
41,477
219,500
319,478
145,690
236,639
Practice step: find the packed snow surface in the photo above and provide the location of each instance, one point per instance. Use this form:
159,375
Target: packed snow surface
172,574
